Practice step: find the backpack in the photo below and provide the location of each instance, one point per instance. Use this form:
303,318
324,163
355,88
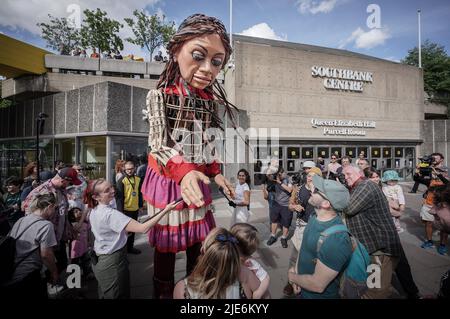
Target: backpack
353,279
8,255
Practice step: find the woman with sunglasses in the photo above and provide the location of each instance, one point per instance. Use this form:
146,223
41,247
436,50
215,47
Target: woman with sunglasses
333,167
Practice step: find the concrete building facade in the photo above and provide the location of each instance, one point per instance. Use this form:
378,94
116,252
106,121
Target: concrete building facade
328,101
314,101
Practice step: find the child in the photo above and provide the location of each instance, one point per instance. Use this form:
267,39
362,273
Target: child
217,273
395,197
79,247
247,235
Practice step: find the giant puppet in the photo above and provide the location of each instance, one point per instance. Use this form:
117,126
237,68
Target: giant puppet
180,111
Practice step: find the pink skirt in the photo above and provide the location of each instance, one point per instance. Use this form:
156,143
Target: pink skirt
182,227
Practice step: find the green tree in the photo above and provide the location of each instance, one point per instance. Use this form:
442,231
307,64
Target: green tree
436,70
3,102
100,32
60,36
150,32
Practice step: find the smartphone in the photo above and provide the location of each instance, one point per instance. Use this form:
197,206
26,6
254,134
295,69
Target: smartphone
177,201
147,218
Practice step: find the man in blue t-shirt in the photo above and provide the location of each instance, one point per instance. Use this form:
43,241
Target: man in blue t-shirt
317,273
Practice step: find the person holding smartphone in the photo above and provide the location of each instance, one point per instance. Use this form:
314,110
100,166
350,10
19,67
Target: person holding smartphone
280,213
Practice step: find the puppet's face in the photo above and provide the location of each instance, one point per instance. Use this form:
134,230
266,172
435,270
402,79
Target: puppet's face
200,60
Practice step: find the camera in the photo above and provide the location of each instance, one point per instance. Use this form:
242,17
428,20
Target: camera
425,166
341,179
338,176
297,178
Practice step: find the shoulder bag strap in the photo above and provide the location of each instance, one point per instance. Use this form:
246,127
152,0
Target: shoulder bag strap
339,228
29,254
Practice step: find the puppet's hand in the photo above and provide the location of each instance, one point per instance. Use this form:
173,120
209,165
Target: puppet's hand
190,191
228,189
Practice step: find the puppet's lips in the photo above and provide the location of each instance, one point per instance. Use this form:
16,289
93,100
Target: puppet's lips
202,79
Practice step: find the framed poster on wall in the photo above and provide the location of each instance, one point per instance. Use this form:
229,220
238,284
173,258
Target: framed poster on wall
307,152
323,152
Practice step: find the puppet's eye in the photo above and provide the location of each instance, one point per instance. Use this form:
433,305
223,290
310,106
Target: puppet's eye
197,56
216,62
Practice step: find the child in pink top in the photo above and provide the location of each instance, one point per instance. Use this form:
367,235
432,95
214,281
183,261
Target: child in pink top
80,246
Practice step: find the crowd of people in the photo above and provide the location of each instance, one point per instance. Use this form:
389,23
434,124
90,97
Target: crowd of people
68,219
110,54
370,204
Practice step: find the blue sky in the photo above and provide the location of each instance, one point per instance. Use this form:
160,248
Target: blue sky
328,23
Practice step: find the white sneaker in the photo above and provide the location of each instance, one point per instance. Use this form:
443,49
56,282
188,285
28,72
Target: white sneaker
54,290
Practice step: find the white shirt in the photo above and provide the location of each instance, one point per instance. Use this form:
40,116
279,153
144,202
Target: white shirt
232,291
256,267
394,192
240,189
108,226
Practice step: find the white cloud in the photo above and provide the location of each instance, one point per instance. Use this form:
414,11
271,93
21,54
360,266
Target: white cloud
314,7
355,34
366,40
392,58
263,30
25,14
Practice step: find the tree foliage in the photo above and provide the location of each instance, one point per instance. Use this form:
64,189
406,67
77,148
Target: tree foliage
100,32
150,32
60,35
3,102
436,70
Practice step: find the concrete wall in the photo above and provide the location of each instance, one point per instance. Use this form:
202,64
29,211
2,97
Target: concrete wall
273,82
436,134
57,62
101,107
61,82
435,109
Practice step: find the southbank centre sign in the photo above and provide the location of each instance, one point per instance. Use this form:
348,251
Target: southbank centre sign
342,79
343,127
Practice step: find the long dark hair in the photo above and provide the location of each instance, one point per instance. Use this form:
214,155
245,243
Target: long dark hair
194,26
29,169
442,195
369,171
247,176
